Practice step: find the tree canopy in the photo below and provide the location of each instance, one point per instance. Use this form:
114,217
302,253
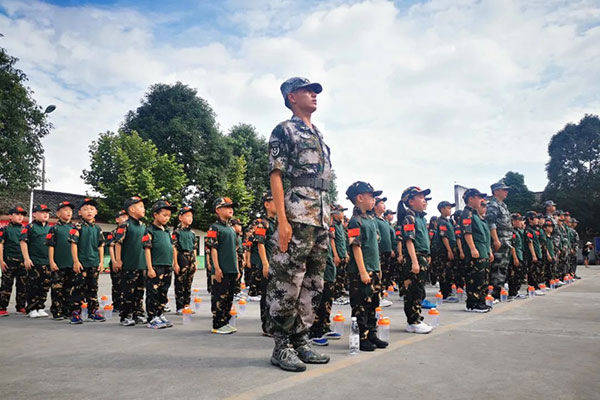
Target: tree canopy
520,199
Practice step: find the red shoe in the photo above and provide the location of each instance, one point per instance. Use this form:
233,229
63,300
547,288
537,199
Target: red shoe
4,313
21,311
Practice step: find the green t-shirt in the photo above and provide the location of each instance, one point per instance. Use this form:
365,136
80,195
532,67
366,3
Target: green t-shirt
517,243
363,232
264,229
340,239
330,269
445,229
547,243
59,238
88,238
532,236
222,237
158,240
184,239
473,224
130,235
11,237
414,227
35,235
386,234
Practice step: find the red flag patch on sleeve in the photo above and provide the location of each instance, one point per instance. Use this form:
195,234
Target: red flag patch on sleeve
443,228
49,236
529,235
73,231
212,234
398,232
120,231
354,232
24,231
109,237
467,221
145,238
514,236
457,232
260,232
173,236
409,227
1,233
332,229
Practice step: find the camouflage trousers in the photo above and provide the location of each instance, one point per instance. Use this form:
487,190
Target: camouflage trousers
341,281
84,288
296,283
59,291
133,282
387,272
238,283
253,280
38,285
322,323
461,271
184,279
447,270
414,288
222,299
116,289
535,274
264,309
572,262
208,276
433,272
16,273
478,274
156,291
499,268
548,271
562,264
364,299
516,273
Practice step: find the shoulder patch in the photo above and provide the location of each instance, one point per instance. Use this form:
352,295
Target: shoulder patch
211,234
261,232
49,236
466,221
72,231
409,227
24,230
443,228
354,232
120,230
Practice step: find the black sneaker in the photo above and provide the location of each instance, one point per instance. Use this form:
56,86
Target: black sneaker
287,359
380,344
576,277
367,345
478,308
308,355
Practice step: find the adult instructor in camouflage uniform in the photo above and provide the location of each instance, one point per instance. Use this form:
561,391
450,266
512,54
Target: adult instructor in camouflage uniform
500,223
298,154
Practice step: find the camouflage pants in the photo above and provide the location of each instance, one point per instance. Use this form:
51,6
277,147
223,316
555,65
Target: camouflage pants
414,288
364,299
562,266
499,268
156,291
515,277
222,299
461,271
433,272
183,280
296,283
341,281
254,277
478,273
38,284
133,283
534,274
84,288
116,289
322,323
264,309
447,271
238,283
385,260
548,271
208,276
14,273
59,291
572,263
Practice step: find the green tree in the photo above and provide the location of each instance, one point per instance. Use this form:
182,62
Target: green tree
333,192
520,199
574,172
245,141
236,188
182,124
22,125
124,165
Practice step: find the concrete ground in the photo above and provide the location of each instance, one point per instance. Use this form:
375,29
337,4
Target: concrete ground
544,348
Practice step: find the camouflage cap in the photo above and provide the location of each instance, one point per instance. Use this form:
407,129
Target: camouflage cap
88,201
445,203
131,201
120,213
17,210
186,209
516,216
472,192
548,203
499,185
163,205
65,204
380,199
41,208
295,83
574,221
224,202
360,187
412,191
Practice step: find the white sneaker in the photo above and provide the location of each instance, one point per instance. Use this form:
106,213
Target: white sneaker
254,298
560,283
385,303
539,293
496,301
42,313
33,314
506,286
419,328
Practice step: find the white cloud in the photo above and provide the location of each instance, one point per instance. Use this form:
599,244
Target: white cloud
441,92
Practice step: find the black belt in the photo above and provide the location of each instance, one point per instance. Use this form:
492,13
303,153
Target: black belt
315,183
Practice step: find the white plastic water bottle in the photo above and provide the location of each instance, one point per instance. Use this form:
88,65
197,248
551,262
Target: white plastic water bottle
354,338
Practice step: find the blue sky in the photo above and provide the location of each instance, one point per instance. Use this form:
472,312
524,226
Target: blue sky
416,93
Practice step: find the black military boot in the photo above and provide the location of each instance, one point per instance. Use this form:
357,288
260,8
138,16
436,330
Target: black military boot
286,358
380,344
367,345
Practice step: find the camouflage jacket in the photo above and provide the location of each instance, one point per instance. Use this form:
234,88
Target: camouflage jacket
498,217
300,152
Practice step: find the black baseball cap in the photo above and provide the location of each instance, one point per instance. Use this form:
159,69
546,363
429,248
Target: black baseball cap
224,202
531,214
412,191
131,201
360,187
90,201
267,196
120,213
163,205
445,203
17,210
472,192
380,199
41,208
185,209
389,212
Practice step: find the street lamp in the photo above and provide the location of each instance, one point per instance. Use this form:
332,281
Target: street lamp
47,111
